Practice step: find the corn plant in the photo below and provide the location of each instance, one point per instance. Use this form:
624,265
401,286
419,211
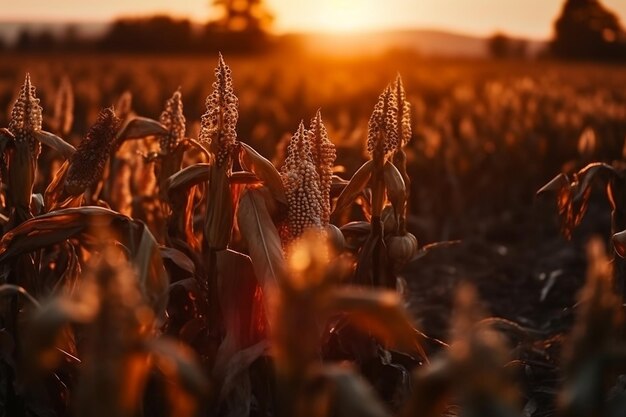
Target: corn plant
573,193
163,266
594,356
384,250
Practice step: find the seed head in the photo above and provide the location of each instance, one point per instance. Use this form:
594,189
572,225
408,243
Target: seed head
26,117
383,125
302,187
217,129
174,121
324,154
404,113
88,162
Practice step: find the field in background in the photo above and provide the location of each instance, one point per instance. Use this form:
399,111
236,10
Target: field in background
486,134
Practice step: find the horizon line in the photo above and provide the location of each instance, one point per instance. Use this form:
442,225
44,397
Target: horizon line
290,31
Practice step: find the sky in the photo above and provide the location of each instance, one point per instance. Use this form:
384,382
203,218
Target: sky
531,18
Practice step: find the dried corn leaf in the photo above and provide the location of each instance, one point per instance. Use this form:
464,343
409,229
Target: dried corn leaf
58,144
46,327
260,233
396,190
179,364
219,208
87,223
381,313
55,196
244,178
573,193
251,160
180,183
139,127
8,290
244,322
348,393
356,185
179,259
373,266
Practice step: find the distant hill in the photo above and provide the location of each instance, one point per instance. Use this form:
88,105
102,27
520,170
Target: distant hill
431,42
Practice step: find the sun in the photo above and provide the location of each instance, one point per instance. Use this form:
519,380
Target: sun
342,15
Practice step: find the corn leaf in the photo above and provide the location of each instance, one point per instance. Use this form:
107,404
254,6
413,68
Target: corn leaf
179,259
381,313
183,180
356,185
244,178
60,145
8,290
219,209
260,233
350,395
139,127
396,189
264,169
179,364
86,223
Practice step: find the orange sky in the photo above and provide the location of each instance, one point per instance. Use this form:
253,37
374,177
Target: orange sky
522,17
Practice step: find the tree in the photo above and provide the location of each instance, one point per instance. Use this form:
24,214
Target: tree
588,30
25,41
149,34
502,46
242,16
240,26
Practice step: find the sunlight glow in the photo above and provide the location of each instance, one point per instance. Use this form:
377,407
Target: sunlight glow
480,17
342,16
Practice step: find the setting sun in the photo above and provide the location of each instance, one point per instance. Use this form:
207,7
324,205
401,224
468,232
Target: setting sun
343,16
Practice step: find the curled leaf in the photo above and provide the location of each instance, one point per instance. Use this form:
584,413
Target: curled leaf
396,189
140,127
357,183
58,144
264,169
381,313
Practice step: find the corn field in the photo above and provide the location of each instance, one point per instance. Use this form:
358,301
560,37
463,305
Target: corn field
364,237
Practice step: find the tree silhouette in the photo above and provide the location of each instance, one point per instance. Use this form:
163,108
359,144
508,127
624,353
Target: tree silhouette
501,46
242,16
151,34
588,30
241,26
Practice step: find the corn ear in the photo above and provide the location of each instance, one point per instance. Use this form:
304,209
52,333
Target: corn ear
88,162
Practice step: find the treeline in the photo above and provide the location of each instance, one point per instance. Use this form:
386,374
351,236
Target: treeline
584,30
155,34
